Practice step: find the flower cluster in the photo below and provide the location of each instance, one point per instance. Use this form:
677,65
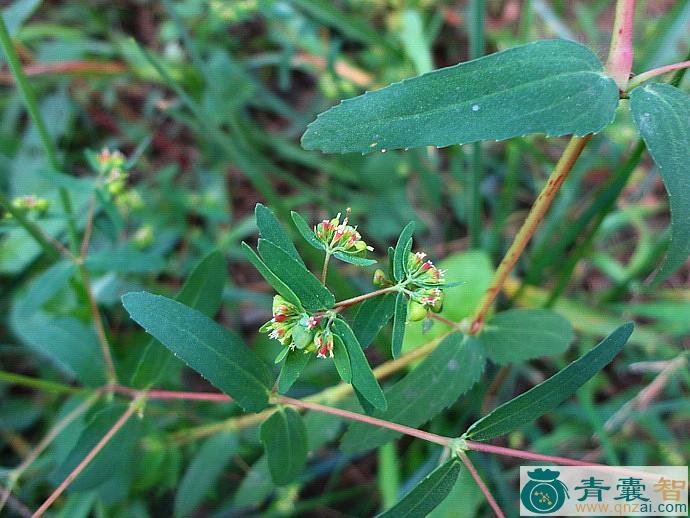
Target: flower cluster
422,271
337,236
285,318
112,167
30,204
426,282
298,330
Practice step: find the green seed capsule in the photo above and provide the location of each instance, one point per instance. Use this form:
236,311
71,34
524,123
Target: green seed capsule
416,312
301,336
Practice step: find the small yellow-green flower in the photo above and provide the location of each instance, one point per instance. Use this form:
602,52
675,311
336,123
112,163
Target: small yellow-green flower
339,236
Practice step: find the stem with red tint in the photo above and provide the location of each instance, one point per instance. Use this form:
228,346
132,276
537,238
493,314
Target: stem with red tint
619,62
420,434
133,407
473,471
509,452
646,76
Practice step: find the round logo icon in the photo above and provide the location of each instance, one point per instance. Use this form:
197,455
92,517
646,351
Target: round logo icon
544,493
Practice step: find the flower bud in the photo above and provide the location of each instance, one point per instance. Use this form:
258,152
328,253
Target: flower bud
380,278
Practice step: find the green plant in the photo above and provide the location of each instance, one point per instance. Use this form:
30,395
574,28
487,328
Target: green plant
554,87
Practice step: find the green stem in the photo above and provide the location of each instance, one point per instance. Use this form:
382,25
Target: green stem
28,94
35,115
39,384
324,270
34,231
388,475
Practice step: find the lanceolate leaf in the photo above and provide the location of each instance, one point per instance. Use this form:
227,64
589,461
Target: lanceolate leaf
371,316
399,322
271,230
429,493
362,377
537,401
313,295
555,87
203,472
306,232
294,364
448,372
203,291
207,347
285,439
517,335
662,115
270,277
399,255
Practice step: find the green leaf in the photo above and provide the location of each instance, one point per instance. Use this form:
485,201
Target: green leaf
270,277
203,291
203,472
285,439
402,246
548,394
313,295
429,493
436,383
295,362
362,377
306,232
353,259
399,322
662,115
207,347
342,359
271,230
463,501
517,335
115,457
371,316
555,87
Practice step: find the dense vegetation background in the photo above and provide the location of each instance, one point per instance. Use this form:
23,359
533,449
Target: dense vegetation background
207,101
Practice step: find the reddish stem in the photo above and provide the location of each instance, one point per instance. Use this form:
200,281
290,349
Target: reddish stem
362,298
473,471
619,63
646,76
85,462
509,452
171,394
427,436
